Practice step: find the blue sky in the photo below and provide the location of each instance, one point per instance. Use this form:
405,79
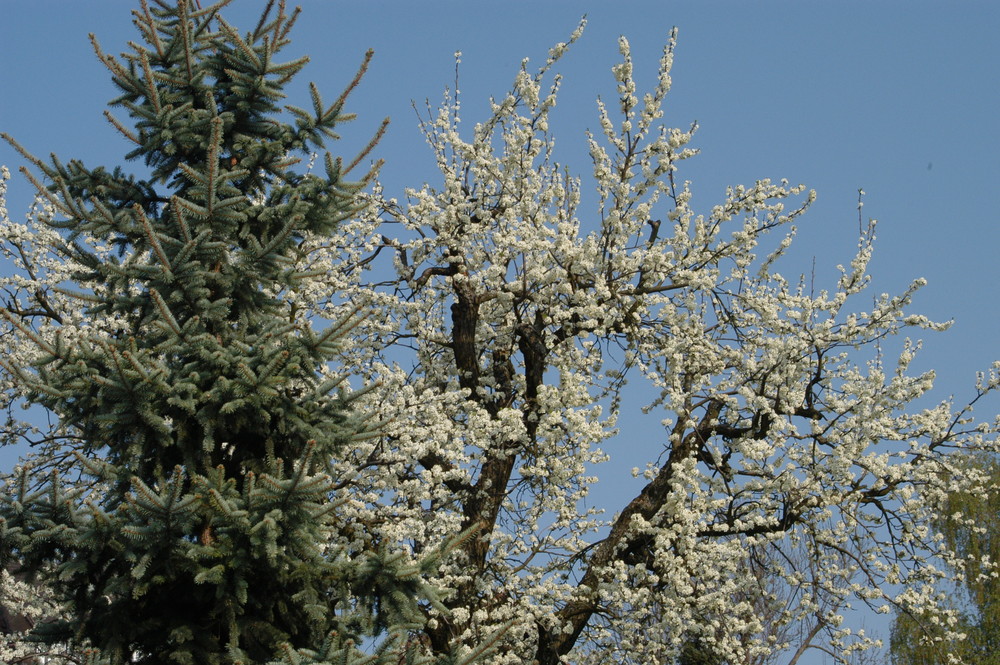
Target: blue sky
898,98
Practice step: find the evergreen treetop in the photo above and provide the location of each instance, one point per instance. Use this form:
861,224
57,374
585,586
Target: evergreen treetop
206,527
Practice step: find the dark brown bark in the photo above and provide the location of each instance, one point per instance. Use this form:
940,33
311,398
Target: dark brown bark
465,318
553,645
482,503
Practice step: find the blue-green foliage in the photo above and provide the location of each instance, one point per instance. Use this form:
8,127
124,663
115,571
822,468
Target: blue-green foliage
204,526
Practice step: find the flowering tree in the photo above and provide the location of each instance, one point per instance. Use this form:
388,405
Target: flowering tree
796,470
793,450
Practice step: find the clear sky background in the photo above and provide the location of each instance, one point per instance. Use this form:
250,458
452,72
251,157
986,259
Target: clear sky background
899,98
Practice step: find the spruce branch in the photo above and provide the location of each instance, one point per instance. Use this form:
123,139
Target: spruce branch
177,215
124,131
121,76
333,113
147,26
183,26
244,47
165,313
212,166
151,90
39,164
327,341
366,150
151,236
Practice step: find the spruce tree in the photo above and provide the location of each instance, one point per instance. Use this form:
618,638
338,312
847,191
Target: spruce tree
204,525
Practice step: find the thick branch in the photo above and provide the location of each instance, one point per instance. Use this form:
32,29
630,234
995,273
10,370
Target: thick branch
554,644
